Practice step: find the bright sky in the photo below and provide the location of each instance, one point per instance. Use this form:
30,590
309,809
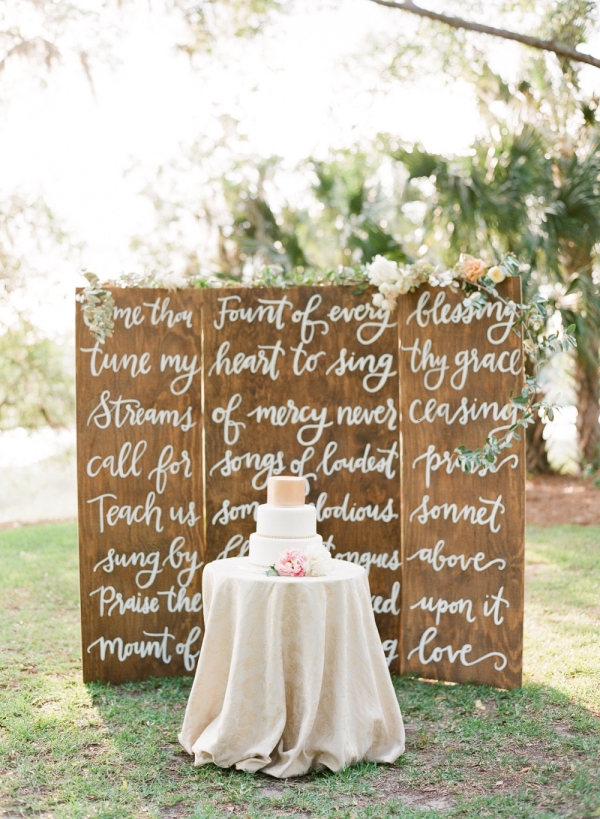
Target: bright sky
292,97
290,92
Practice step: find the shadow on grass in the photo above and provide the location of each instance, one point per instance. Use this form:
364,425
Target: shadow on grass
69,751
472,751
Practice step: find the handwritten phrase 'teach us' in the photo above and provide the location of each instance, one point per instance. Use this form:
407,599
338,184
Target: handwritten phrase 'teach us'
148,513
372,321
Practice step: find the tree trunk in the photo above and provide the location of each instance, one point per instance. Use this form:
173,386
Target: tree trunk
561,49
537,455
588,409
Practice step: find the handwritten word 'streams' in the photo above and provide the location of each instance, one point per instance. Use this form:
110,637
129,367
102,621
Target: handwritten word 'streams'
201,396
141,493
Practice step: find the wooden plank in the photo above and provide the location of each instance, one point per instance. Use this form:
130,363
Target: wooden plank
140,488
463,535
304,381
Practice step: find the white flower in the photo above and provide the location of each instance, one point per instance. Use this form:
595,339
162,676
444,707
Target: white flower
442,279
496,274
382,270
471,301
378,299
318,561
387,305
174,282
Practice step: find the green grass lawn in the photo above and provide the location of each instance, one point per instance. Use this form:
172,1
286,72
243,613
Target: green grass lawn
74,750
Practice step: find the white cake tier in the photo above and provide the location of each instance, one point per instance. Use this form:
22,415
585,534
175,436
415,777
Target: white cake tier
286,521
265,551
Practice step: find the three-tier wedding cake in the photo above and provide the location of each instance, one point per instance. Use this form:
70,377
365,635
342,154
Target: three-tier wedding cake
286,524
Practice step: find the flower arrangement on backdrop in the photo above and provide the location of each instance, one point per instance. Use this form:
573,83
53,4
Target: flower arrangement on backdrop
476,281
471,278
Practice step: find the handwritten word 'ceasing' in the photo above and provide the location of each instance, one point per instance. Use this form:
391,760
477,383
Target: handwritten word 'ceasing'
120,411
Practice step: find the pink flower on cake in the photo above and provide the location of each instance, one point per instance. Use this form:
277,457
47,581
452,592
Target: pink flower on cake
292,563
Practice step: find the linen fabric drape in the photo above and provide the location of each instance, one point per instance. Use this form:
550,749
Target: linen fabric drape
291,675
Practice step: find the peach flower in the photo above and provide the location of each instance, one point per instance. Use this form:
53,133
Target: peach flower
292,563
473,268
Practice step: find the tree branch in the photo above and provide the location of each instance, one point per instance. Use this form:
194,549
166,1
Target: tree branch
560,49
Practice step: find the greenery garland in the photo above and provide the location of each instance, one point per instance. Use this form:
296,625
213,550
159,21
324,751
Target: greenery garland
477,281
471,277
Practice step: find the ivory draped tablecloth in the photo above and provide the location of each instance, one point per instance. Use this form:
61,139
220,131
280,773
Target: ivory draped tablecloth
291,674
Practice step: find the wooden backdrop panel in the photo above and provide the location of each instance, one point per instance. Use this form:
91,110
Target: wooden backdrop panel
305,381
463,535
139,456
253,382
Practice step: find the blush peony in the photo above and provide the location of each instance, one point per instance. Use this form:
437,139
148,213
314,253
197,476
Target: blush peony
292,563
473,269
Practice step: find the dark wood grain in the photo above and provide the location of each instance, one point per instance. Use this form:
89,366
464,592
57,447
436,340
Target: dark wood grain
272,395
106,404
305,375
443,605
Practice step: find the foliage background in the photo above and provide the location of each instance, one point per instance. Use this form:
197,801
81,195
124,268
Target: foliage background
215,138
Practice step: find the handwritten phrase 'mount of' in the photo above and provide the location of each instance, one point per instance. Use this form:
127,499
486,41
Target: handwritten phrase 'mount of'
201,396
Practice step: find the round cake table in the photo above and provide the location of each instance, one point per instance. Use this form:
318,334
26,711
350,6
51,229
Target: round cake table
291,675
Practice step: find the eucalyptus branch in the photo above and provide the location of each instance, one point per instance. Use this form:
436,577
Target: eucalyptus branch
98,307
470,275
98,303
560,49
538,348
477,282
